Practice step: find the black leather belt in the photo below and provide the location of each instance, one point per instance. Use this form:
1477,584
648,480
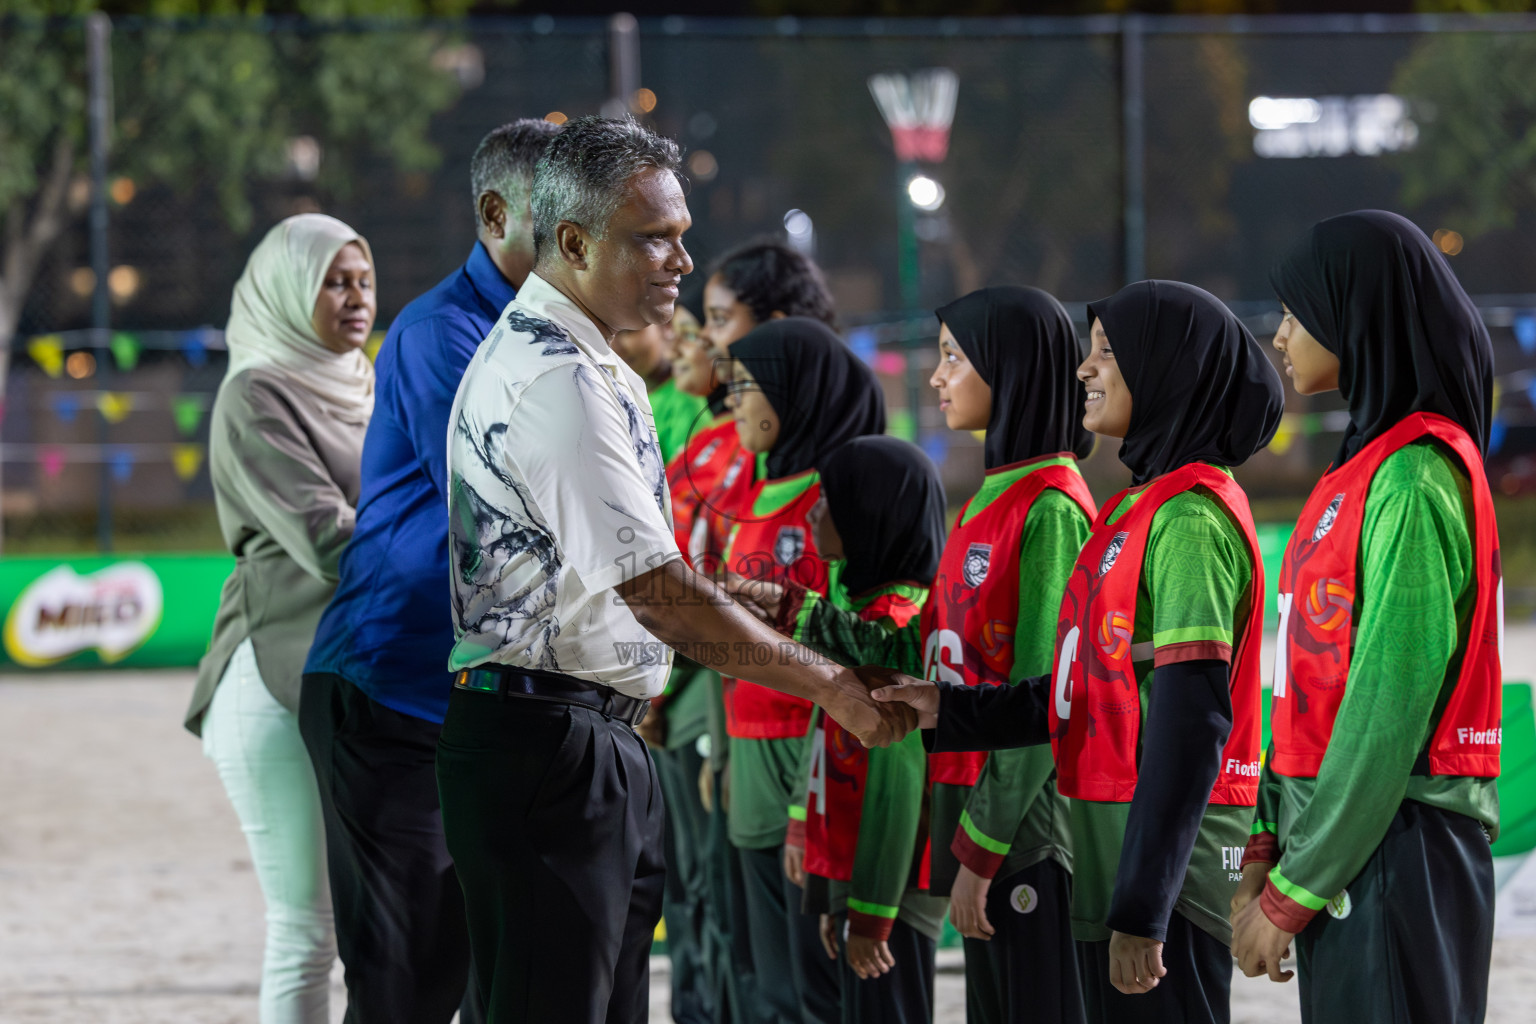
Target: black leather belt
512,682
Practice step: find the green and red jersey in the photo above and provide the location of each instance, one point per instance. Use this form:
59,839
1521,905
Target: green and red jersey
770,539
1013,816
861,819
696,476
1198,596
1387,670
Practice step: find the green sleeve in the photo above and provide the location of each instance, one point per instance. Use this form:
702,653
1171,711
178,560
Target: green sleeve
1264,838
1413,593
802,785
847,639
1054,532
893,810
1196,570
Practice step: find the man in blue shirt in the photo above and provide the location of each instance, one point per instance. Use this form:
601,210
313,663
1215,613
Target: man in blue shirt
376,685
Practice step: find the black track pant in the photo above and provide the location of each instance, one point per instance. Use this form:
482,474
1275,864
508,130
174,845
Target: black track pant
686,906
1196,990
902,995
1413,936
400,926
795,980
555,821
1028,969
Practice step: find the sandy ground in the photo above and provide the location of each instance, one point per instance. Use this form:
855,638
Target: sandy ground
126,891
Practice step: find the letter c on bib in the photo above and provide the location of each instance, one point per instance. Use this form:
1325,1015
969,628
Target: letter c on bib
1064,673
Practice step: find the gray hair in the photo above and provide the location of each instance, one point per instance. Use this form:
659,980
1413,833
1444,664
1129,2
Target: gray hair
583,176
503,163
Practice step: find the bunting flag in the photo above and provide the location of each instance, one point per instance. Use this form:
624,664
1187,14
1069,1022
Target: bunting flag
187,460
864,344
1284,435
893,363
1525,332
65,406
187,410
979,435
899,423
1496,432
125,350
48,353
52,461
122,465
114,406
936,447
193,348
371,346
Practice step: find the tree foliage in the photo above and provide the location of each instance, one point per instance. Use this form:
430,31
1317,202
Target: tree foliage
1474,100
209,92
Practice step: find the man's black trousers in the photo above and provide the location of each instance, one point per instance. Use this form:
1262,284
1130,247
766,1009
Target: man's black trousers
1196,990
555,819
1410,939
400,926
1027,970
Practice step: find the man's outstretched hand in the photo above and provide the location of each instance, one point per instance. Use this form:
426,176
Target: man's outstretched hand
893,688
873,723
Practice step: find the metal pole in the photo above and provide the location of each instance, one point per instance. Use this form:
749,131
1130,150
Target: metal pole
623,64
908,268
98,35
1133,120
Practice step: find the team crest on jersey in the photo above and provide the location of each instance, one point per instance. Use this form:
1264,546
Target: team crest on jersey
1326,520
978,559
789,545
731,473
1112,553
707,454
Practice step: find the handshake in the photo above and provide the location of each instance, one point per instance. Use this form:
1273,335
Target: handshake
880,705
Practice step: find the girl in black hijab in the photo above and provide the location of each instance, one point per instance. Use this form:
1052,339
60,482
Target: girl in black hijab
1007,362
1159,796
1023,346
820,394
881,520
797,393
1403,525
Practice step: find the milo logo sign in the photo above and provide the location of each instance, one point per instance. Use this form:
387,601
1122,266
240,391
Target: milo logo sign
62,613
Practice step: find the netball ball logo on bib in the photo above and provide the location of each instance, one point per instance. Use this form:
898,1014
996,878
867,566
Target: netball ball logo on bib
1326,520
1024,899
1112,553
62,613
789,545
1329,603
978,559
1115,635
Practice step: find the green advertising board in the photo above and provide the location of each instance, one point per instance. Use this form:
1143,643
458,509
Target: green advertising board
81,613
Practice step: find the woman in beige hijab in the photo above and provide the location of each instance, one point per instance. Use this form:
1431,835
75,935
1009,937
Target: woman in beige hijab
286,440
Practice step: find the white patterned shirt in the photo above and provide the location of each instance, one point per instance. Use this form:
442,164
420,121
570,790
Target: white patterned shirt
557,493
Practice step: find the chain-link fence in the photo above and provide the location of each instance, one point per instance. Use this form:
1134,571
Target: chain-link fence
1083,152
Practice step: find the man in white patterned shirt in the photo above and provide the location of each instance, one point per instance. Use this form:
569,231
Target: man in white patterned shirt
569,593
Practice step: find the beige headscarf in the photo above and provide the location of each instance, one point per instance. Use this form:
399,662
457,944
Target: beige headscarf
270,317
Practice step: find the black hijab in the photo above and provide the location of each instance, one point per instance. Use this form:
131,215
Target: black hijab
887,502
1202,389
1023,345
1376,293
716,400
823,393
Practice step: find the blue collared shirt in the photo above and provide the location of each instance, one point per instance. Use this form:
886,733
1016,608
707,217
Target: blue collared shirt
389,628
